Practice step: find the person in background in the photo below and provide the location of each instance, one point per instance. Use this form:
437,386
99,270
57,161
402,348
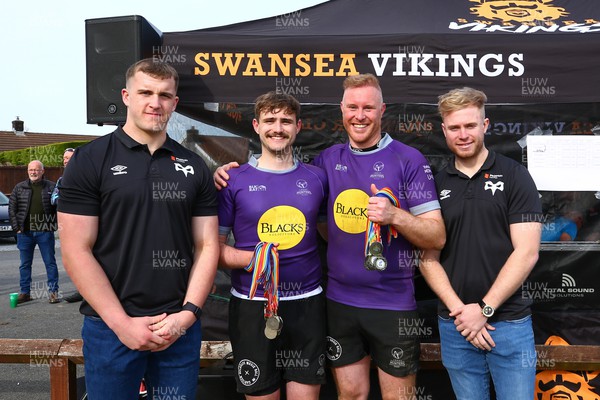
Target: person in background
67,154
563,228
274,200
33,217
139,240
74,297
491,210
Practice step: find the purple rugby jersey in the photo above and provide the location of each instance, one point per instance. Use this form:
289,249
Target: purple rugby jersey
406,172
276,206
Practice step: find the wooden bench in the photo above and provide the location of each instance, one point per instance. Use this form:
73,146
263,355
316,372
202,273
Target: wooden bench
63,355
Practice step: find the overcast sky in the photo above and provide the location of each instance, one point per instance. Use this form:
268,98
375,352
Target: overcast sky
43,50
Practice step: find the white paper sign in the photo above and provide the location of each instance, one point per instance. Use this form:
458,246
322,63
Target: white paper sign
564,163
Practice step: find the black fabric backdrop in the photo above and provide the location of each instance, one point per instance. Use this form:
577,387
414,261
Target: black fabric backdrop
536,60
517,52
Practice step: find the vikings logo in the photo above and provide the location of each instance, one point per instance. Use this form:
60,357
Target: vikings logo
518,11
566,385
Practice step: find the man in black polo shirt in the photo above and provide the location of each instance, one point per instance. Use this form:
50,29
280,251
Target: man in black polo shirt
491,210
139,238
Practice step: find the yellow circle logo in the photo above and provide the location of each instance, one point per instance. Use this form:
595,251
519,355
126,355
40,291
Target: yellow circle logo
519,11
350,211
285,225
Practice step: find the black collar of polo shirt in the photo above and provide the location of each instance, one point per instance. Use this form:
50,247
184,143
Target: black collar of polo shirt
487,164
131,143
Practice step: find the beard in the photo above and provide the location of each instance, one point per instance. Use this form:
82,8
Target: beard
474,149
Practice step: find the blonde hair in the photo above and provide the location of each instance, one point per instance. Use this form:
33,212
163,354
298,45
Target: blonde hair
362,80
458,99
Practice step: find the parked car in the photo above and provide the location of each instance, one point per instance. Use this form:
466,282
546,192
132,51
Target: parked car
6,230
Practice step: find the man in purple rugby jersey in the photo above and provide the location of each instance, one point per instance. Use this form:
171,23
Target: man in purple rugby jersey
366,308
275,200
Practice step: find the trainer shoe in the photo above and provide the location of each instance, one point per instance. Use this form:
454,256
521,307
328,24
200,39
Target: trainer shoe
53,298
23,297
73,298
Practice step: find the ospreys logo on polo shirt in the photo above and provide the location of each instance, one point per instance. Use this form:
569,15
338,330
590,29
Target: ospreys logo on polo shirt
285,225
350,211
188,169
489,185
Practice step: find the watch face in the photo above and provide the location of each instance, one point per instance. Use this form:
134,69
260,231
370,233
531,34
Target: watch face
488,311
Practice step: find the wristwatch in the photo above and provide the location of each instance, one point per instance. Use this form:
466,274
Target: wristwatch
193,308
486,309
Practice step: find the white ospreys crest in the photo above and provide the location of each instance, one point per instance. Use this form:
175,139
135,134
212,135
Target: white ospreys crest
494,186
186,170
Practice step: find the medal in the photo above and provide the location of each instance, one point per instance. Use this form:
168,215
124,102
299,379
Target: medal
275,322
273,326
270,334
376,248
374,259
265,271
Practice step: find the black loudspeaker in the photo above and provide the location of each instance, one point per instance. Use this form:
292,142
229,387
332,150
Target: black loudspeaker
112,45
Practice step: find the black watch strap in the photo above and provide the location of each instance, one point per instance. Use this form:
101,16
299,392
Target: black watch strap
193,308
487,310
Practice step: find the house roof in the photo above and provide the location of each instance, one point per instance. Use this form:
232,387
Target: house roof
10,141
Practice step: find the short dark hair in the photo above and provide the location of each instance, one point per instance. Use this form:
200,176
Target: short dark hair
273,101
154,68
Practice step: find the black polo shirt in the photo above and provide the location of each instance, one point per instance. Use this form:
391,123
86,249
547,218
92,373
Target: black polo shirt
145,204
478,212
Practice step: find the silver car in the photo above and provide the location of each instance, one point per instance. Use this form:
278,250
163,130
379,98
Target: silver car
6,230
